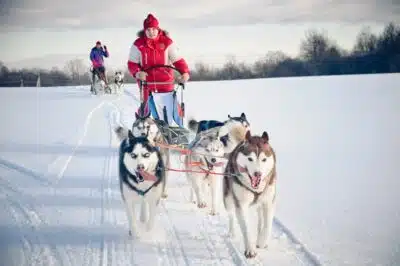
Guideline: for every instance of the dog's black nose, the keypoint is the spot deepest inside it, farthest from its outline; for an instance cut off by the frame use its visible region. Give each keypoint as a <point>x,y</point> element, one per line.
<point>143,134</point>
<point>257,174</point>
<point>140,167</point>
<point>213,160</point>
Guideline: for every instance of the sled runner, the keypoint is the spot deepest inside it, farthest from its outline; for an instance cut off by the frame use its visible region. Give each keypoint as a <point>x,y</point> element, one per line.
<point>167,111</point>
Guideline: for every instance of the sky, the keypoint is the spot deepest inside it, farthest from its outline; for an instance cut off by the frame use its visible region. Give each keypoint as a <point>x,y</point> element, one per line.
<point>46,33</point>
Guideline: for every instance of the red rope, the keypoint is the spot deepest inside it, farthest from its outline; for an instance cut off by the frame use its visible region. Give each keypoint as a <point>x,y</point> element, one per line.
<point>182,150</point>
<point>191,163</point>
<point>193,171</point>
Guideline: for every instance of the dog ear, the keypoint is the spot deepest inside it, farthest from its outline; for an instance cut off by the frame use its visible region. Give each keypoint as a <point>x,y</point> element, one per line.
<point>229,116</point>
<point>224,139</point>
<point>243,116</point>
<point>265,136</point>
<point>248,135</point>
<point>130,136</point>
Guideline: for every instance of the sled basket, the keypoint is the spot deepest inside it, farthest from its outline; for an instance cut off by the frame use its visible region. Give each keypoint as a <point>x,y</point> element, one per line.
<point>174,135</point>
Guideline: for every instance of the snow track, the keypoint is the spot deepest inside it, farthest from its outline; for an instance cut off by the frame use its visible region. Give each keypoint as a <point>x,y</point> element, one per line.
<point>72,214</point>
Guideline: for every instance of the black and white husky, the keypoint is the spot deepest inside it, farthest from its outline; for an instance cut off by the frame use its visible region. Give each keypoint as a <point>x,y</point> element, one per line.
<point>250,180</point>
<point>142,179</point>
<point>116,86</point>
<point>147,127</point>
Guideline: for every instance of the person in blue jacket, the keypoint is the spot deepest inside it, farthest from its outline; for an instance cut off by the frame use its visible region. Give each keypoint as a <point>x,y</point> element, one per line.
<point>96,57</point>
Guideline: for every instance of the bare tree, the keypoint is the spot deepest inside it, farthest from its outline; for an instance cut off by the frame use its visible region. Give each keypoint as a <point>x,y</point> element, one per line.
<point>317,46</point>
<point>76,69</point>
<point>366,42</point>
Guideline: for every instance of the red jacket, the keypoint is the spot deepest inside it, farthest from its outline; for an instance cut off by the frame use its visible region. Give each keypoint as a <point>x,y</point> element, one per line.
<point>146,52</point>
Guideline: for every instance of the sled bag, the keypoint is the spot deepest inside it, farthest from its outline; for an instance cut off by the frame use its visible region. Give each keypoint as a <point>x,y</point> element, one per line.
<point>165,106</point>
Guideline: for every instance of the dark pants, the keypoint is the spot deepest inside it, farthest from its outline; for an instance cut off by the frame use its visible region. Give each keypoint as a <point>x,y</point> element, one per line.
<point>100,72</point>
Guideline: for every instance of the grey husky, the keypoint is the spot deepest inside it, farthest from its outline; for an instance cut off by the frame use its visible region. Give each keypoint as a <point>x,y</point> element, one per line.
<point>250,180</point>
<point>205,164</point>
<point>229,132</point>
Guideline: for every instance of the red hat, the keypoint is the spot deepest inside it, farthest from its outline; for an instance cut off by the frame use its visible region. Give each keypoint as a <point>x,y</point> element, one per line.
<point>150,22</point>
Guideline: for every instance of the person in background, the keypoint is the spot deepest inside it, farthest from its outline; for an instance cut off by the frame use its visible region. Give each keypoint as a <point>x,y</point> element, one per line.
<point>96,57</point>
<point>155,47</point>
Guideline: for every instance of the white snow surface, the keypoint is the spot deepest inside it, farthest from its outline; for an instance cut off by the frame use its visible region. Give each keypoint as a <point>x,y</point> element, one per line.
<point>337,141</point>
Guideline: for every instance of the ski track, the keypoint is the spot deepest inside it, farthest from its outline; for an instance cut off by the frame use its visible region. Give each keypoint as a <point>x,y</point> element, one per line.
<point>47,252</point>
<point>178,247</point>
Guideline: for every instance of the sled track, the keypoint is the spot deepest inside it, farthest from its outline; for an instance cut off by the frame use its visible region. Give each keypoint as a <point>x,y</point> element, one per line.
<point>216,242</point>
<point>47,252</point>
<point>105,251</point>
<point>80,141</point>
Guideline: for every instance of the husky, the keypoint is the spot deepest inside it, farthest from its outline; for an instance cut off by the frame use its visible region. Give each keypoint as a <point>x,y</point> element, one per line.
<point>203,125</point>
<point>230,132</point>
<point>250,181</point>
<point>141,178</point>
<point>204,166</point>
<point>116,86</point>
<point>147,127</point>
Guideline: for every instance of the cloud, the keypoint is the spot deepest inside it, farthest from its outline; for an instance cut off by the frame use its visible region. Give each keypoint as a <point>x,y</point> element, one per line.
<point>95,14</point>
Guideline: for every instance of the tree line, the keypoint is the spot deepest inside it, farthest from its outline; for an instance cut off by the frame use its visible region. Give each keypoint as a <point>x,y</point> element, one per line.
<point>319,55</point>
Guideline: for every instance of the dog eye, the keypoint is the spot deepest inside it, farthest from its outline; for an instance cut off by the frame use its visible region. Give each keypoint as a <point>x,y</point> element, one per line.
<point>264,160</point>
<point>134,156</point>
<point>250,159</point>
<point>146,155</point>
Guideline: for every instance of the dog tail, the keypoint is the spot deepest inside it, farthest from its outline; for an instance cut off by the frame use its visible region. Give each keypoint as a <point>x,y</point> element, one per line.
<point>193,124</point>
<point>121,132</point>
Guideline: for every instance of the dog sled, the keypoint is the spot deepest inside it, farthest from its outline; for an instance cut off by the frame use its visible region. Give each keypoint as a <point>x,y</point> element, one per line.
<point>174,131</point>
<point>100,83</point>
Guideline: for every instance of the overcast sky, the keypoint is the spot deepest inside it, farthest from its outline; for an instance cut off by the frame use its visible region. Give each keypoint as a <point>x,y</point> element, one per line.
<point>205,30</point>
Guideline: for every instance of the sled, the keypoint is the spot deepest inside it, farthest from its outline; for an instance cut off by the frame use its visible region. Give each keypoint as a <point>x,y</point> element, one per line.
<point>175,135</point>
<point>99,85</point>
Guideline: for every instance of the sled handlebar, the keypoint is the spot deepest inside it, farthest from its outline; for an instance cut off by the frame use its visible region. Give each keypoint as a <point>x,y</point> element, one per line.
<point>144,82</point>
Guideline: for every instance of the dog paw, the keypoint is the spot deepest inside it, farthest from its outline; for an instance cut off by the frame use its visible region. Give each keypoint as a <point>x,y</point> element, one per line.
<point>213,212</point>
<point>231,234</point>
<point>261,242</point>
<point>261,246</point>
<point>201,205</point>
<point>250,253</point>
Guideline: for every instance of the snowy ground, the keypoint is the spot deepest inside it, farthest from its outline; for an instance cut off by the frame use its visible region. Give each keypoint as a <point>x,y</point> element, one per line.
<point>338,148</point>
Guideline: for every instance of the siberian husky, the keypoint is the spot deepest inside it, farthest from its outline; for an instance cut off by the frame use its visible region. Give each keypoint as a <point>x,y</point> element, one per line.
<point>141,176</point>
<point>205,166</point>
<point>203,125</point>
<point>116,86</point>
<point>250,180</point>
<point>146,127</point>
<point>230,132</point>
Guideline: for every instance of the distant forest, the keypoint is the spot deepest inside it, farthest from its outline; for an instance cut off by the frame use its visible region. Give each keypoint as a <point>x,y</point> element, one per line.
<point>319,55</point>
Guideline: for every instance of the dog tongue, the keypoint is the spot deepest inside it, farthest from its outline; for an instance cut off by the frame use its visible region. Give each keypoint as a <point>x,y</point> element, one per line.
<point>255,181</point>
<point>147,176</point>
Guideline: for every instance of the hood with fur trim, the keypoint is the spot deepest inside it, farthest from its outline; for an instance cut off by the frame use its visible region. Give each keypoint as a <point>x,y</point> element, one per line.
<point>141,33</point>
